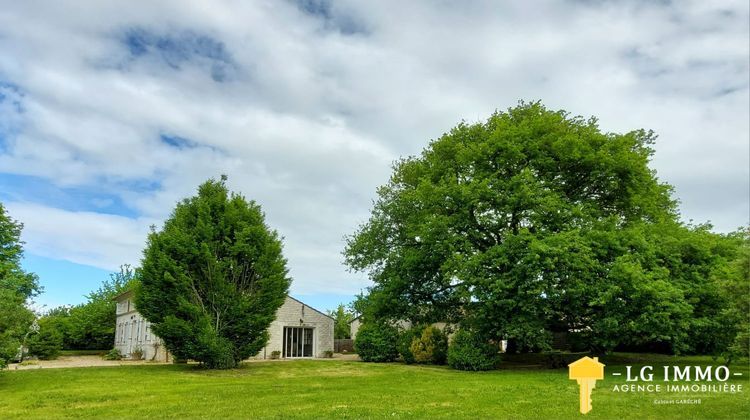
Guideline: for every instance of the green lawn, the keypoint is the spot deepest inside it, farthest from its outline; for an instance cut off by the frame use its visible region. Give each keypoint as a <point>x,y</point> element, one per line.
<point>339,389</point>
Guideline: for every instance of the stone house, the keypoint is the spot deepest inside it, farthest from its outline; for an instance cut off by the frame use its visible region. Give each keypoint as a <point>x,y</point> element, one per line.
<point>298,331</point>
<point>133,331</point>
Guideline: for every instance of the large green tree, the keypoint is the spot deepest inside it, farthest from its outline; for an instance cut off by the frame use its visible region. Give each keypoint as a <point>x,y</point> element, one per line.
<point>16,287</point>
<point>213,278</point>
<point>534,222</point>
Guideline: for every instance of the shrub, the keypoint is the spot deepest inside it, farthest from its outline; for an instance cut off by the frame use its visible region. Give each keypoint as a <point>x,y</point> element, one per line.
<point>377,343</point>
<point>46,344</point>
<point>404,343</point>
<point>137,353</point>
<point>275,354</point>
<point>113,354</point>
<point>430,347</point>
<point>328,354</point>
<point>468,351</point>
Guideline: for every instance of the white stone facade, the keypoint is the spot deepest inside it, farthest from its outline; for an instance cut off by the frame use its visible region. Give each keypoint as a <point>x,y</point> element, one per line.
<point>354,327</point>
<point>133,332</point>
<point>297,331</point>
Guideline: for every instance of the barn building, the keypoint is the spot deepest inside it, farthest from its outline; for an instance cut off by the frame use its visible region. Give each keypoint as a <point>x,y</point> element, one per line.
<point>299,331</point>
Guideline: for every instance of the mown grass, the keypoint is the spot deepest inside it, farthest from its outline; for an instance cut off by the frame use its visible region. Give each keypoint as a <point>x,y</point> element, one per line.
<point>341,389</point>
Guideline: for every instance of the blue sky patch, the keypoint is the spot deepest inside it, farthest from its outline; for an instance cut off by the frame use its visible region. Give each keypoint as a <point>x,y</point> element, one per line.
<point>64,282</point>
<point>323,10</point>
<point>181,49</point>
<point>11,107</point>
<point>177,142</point>
<point>25,188</point>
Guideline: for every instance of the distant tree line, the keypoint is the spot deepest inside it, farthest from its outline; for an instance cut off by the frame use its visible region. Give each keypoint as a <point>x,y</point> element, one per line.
<point>90,325</point>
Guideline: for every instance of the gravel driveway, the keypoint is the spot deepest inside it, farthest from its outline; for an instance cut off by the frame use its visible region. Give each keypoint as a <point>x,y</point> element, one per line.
<point>75,361</point>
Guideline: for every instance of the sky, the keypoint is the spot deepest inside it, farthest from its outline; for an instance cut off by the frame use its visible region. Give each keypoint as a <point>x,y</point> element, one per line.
<point>111,112</point>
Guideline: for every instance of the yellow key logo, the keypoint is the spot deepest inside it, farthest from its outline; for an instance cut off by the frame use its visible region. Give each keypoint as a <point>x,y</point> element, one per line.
<point>586,371</point>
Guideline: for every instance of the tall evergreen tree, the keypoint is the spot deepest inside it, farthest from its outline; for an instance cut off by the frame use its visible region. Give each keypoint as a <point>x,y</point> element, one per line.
<point>213,278</point>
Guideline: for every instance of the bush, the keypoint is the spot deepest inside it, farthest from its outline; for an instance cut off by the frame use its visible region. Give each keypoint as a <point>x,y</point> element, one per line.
<point>275,354</point>
<point>47,343</point>
<point>328,354</point>
<point>137,353</point>
<point>430,347</point>
<point>468,351</point>
<point>377,343</point>
<point>404,343</point>
<point>9,351</point>
<point>113,354</point>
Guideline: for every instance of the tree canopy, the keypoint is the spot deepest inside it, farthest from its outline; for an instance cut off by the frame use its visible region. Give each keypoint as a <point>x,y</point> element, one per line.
<point>534,222</point>
<point>16,287</point>
<point>213,278</point>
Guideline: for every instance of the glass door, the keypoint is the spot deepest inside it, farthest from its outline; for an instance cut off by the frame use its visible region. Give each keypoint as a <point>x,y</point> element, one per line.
<point>298,342</point>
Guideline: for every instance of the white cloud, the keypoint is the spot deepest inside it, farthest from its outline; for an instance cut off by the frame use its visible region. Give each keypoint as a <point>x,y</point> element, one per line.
<point>318,106</point>
<point>100,240</point>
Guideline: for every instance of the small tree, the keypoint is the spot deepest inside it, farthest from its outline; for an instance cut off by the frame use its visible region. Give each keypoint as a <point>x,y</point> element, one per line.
<point>430,347</point>
<point>47,342</point>
<point>405,339</point>
<point>377,343</point>
<point>213,278</point>
<point>341,319</point>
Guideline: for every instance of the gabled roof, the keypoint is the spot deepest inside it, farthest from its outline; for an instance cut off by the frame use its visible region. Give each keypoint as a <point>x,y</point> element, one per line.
<point>131,292</point>
<point>123,294</point>
<point>303,303</point>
